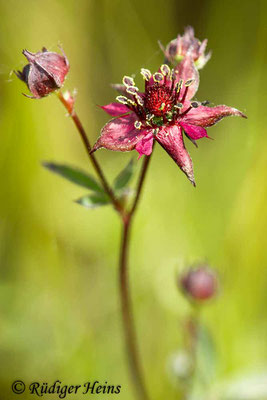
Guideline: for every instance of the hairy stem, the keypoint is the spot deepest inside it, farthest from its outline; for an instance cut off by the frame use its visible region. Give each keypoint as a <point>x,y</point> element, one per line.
<point>91,156</point>
<point>127,314</point>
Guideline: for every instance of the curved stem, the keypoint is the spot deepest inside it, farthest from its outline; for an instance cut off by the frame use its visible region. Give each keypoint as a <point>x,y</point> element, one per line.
<point>127,314</point>
<point>69,107</point>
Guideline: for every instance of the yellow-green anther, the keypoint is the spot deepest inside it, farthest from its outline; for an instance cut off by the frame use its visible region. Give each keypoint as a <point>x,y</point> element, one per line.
<point>157,77</point>
<point>131,102</point>
<point>132,89</point>
<point>180,84</point>
<point>189,82</point>
<point>139,100</point>
<point>137,124</point>
<point>122,99</point>
<point>161,108</point>
<point>145,73</point>
<point>128,81</point>
<point>165,69</point>
<point>149,116</point>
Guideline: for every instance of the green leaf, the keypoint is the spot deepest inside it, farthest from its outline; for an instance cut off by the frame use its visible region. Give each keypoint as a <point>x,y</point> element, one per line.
<point>93,200</point>
<point>206,355</point>
<point>124,176</point>
<point>74,175</point>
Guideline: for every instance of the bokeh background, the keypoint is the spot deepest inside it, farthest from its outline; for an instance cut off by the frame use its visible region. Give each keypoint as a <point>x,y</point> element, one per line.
<point>60,313</point>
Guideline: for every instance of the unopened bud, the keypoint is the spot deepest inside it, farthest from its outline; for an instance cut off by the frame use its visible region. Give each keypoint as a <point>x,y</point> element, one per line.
<point>187,45</point>
<point>199,283</point>
<point>45,72</point>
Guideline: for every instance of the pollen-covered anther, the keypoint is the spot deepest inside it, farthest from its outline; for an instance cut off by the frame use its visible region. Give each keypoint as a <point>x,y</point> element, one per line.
<point>128,81</point>
<point>157,77</point>
<point>146,74</point>
<point>178,106</point>
<point>165,69</point>
<point>132,89</point>
<point>180,84</point>
<point>131,103</point>
<point>122,99</point>
<point>138,125</point>
<point>139,100</point>
<point>188,82</point>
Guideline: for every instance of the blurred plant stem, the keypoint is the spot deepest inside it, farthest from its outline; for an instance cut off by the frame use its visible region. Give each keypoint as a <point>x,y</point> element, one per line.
<point>126,218</point>
<point>127,314</point>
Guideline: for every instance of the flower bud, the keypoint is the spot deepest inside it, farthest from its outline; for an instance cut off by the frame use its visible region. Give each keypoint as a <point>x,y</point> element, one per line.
<point>185,45</point>
<point>199,283</point>
<point>45,72</point>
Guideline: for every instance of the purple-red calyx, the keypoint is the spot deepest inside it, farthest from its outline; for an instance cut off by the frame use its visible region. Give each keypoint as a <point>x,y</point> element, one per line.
<point>163,112</point>
<point>186,45</point>
<point>45,72</point>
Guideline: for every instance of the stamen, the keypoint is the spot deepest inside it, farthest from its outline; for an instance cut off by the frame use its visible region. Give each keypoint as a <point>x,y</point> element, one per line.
<point>195,104</point>
<point>157,77</point>
<point>178,106</point>
<point>205,103</point>
<point>132,89</point>
<point>165,69</point>
<point>131,103</point>
<point>145,73</point>
<point>138,124</point>
<point>149,117</point>
<point>139,100</point>
<point>162,106</point>
<point>128,81</point>
<point>122,99</point>
<point>189,82</point>
<point>180,84</point>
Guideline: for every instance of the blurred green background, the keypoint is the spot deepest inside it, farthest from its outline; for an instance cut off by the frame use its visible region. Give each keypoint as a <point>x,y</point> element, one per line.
<point>60,312</point>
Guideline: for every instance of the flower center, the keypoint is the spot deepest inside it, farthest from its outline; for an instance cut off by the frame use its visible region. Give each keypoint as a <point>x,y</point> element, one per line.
<point>158,100</point>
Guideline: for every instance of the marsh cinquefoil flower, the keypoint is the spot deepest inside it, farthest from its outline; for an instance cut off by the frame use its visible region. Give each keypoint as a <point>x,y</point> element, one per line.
<point>162,113</point>
<point>45,72</point>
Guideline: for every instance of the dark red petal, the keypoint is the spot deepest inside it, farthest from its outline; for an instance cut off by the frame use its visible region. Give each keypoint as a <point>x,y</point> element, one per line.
<point>171,139</point>
<point>193,131</point>
<point>145,145</point>
<point>208,116</point>
<point>119,134</point>
<point>186,70</point>
<point>115,109</point>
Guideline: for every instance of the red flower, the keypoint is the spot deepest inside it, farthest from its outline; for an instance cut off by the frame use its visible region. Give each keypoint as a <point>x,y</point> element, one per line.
<point>162,113</point>
<point>184,45</point>
<point>45,72</point>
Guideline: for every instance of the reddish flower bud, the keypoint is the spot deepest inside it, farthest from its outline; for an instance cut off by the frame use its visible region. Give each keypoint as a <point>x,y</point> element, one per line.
<point>186,45</point>
<point>45,72</point>
<point>199,283</point>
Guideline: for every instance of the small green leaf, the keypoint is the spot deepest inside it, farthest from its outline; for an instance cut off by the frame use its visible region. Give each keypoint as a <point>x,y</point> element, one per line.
<point>93,200</point>
<point>74,175</point>
<point>124,176</point>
